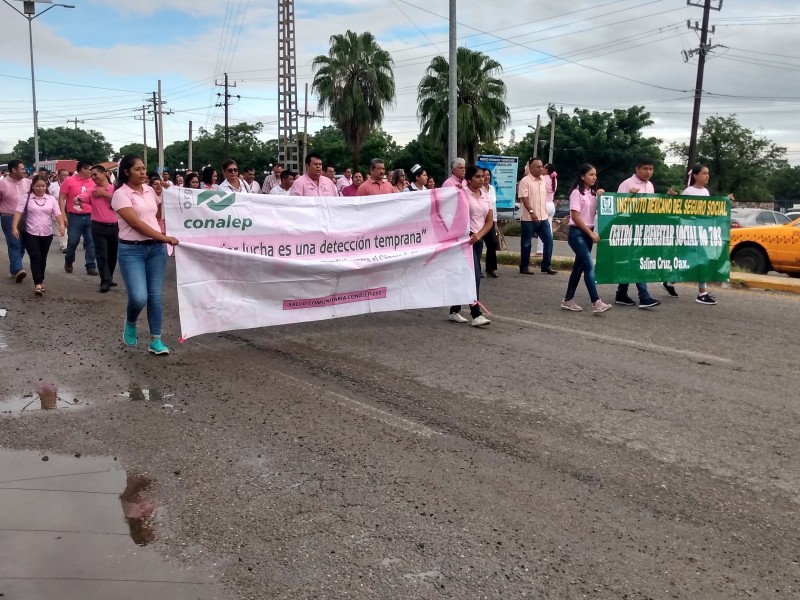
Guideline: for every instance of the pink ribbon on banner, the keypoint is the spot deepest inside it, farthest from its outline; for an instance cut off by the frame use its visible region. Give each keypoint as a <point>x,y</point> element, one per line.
<point>448,235</point>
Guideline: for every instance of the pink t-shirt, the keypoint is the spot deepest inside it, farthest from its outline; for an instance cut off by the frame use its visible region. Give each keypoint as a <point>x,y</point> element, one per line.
<point>305,186</point>
<point>73,189</point>
<point>144,204</point>
<point>350,190</point>
<point>41,212</point>
<point>101,207</point>
<point>693,191</point>
<point>454,181</point>
<point>551,185</point>
<point>585,204</point>
<point>10,193</point>
<point>478,209</point>
<point>644,187</point>
<point>370,187</point>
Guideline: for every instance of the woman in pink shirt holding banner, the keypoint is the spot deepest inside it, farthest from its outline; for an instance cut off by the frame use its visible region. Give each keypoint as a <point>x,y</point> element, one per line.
<point>142,253</point>
<point>480,222</point>
<point>39,208</point>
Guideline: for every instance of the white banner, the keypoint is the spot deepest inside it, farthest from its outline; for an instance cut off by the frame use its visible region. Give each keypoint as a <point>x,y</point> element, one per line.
<point>254,260</point>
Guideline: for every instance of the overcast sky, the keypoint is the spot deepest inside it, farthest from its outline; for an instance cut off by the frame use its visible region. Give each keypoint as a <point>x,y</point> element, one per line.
<point>100,61</point>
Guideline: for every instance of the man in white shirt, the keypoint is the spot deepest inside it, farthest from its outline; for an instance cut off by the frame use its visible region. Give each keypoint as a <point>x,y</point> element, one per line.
<point>249,178</point>
<point>345,180</point>
<point>282,189</point>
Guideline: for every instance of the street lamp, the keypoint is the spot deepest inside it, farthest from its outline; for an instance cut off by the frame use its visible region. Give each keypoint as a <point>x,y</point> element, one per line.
<point>29,12</point>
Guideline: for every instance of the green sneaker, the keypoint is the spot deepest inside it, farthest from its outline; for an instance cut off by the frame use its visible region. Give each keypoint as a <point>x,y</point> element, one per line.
<point>129,337</point>
<point>158,347</point>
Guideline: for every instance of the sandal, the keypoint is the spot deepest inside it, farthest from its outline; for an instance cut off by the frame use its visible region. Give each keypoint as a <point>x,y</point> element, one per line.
<point>38,289</point>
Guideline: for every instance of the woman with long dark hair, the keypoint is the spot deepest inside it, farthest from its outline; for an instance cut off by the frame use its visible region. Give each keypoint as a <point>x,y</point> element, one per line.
<point>480,222</point>
<point>39,208</point>
<point>142,253</point>
<point>208,178</point>
<point>582,217</point>
<point>698,180</point>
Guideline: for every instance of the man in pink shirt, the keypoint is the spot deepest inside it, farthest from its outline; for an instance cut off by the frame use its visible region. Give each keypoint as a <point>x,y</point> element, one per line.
<point>375,184</point>
<point>345,180</point>
<point>457,169</point>
<point>638,183</point>
<point>12,187</point>
<point>532,194</point>
<point>79,216</point>
<point>313,183</point>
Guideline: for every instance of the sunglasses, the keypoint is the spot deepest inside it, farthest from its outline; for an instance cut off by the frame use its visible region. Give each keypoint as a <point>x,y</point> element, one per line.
<point>233,170</point>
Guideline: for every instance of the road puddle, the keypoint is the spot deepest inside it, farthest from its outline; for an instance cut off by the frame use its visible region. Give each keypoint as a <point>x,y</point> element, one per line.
<point>47,397</point>
<point>139,502</point>
<point>68,522</point>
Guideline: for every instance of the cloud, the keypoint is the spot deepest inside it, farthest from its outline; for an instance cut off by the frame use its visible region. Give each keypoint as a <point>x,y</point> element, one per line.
<point>597,55</point>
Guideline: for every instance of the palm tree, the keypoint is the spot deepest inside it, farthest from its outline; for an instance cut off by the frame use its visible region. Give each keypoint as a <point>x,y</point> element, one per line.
<point>355,81</point>
<point>482,111</point>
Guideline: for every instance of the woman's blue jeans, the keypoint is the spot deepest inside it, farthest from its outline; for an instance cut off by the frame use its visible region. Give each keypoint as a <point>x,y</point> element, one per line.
<point>581,243</point>
<point>142,267</point>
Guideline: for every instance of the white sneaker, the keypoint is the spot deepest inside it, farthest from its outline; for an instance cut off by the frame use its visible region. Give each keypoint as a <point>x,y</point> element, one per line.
<point>457,318</point>
<point>571,305</point>
<point>480,321</point>
<point>600,307</point>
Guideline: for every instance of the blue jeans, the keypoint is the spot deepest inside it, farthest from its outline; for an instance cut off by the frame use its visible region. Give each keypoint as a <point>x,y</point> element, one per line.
<point>474,309</point>
<point>542,229</point>
<point>15,248</point>
<point>581,244</point>
<point>77,226</point>
<point>622,290</point>
<point>143,269</point>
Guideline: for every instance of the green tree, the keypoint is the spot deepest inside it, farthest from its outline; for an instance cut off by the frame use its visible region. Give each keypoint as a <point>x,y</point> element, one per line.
<point>740,162</point>
<point>136,149</point>
<point>379,144</point>
<point>611,141</point>
<point>329,143</point>
<point>66,143</point>
<point>355,82</point>
<point>784,184</point>
<point>425,152</point>
<point>481,109</point>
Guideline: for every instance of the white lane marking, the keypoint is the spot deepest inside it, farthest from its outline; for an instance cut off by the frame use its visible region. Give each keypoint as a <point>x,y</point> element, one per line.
<point>367,410</point>
<point>619,341</point>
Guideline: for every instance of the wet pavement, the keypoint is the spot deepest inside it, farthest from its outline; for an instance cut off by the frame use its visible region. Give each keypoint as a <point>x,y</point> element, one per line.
<point>638,454</point>
<point>72,528</point>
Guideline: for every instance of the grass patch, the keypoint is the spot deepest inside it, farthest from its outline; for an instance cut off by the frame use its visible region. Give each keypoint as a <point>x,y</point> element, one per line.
<point>512,258</point>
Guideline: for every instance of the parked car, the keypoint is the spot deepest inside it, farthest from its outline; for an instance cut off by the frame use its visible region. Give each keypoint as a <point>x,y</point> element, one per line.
<point>793,215</point>
<point>767,248</point>
<point>753,217</point>
<point>562,210</point>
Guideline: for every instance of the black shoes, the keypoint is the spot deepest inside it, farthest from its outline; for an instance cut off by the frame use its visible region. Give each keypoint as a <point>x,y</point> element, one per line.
<point>492,274</point>
<point>670,289</point>
<point>93,272</point>
<point>526,271</point>
<point>549,271</point>
<point>624,300</point>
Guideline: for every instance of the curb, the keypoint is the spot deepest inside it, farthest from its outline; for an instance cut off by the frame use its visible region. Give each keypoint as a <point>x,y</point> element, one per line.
<point>748,280</point>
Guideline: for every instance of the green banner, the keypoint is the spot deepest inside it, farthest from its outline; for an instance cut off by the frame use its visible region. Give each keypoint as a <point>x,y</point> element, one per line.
<point>656,237</point>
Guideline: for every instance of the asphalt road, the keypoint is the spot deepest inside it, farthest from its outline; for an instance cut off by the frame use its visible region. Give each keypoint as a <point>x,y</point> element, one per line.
<point>637,454</point>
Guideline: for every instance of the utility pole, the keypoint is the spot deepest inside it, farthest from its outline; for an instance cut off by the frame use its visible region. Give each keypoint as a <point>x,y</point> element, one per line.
<point>161,130</point>
<point>288,130</point>
<point>226,102</point>
<point>553,113</point>
<point>144,134</point>
<point>155,119</point>
<point>702,52</point>
<point>190,146</point>
<point>306,115</point>
<point>452,97</point>
<point>75,120</point>
<point>536,136</point>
